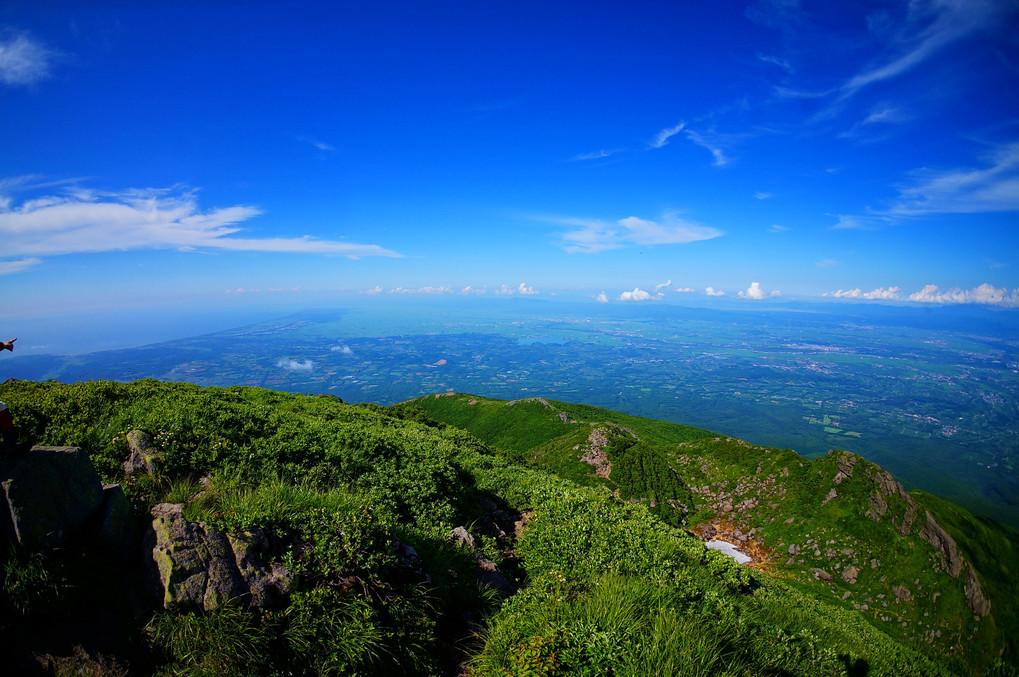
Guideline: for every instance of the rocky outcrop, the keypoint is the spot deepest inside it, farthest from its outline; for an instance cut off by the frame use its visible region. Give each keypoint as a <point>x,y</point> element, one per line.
<point>486,571</point>
<point>978,604</point>
<point>50,493</point>
<point>845,462</point>
<point>194,566</point>
<point>143,457</point>
<point>850,574</point>
<point>944,546</point>
<point>594,452</point>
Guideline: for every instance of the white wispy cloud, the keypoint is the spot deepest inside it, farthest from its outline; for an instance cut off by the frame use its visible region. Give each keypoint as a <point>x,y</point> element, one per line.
<point>930,26</point>
<point>993,188</point>
<point>23,60</point>
<point>11,267</point>
<point>777,228</point>
<point>421,290</point>
<point>601,298</point>
<point>826,263</point>
<point>860,222</point>
<point>294,365</point>
<point>637,294</point>
<point>711,291</point>
<point>761,195</point>
<point>316,143</point>
<point>755,292</point>
<point>880,294</point>
<point>596,155</point>
<point>684,290</point>
<point>875,126</point>
<point>712,142</point>
<point>662,138</point>
<point>374,291</point>
<point>87,221</point>
<point>986,294</point>
<point>663,285</point>
<point>776,61</point>
<point>589,236</point>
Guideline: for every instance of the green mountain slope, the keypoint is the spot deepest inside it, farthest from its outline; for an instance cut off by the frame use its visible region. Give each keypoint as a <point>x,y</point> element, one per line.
<point>919,568</point>
<point>547,576</point>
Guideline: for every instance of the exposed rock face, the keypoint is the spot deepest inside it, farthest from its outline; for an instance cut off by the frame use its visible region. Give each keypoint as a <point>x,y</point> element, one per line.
<point>50,492</point>
<point>594,452</point>
<point>978,604</point>
<point>144,458</point>
<point>197,566</point>
<point>850,574</point>
<point>944,545</point>
<point>845,461</point>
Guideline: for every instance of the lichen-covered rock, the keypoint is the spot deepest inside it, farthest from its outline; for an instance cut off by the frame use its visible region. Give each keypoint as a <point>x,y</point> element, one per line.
<point>195,566</point>
<point>144,457</point>
<point>850,574</point>
<point>50,492</point>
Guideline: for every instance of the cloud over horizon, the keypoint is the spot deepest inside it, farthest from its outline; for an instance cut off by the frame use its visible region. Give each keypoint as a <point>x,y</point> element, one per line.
<point>87,221</point>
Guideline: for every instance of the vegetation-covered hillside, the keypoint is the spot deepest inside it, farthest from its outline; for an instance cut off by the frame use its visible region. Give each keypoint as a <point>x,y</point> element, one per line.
<point>483,545</point>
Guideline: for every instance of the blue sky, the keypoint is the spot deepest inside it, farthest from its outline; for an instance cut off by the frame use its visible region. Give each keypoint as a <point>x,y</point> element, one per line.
<point>231,154</point>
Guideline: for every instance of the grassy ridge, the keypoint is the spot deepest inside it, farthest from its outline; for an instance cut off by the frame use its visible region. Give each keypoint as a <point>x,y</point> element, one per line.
<point>605,586</point>
<point>821,542</point>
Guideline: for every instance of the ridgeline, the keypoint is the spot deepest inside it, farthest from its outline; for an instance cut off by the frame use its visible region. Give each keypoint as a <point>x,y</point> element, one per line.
<point>164,528</point>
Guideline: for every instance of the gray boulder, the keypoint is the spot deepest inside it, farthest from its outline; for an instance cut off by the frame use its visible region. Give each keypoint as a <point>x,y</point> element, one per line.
<point>143,457</point>
<point>50,492</point>
<point>195,566</point>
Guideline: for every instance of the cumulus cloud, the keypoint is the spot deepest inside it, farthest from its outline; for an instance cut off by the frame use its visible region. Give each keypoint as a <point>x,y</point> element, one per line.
<point>294,365</point>
<point>986,294</point>
<point>10,267</point>
<point>471,290</point>
<point>85,221</point>
<point>23,61</point>
<point>662,138</point>
<point>711,291</point>
<point>755,292</point>
<point>344,350</point>
<point>592,236</point>
<point>636,295</point>
<point>526,291</point>
<point>373,291</point>
<point>601,298</point>
<point>881,293</point>
<point>684,290</point>
<point>522,288</point>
